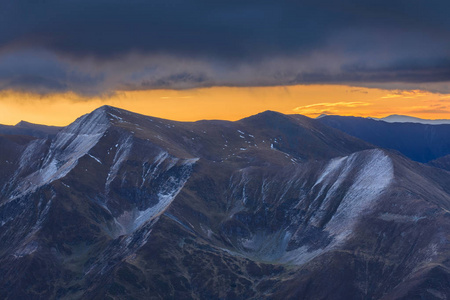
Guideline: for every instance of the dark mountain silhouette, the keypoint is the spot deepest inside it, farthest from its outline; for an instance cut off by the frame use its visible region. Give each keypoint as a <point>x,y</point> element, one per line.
<point>408,119</point>
<point>30,129</point>
<point>124,206</point>
<point>419,142</point>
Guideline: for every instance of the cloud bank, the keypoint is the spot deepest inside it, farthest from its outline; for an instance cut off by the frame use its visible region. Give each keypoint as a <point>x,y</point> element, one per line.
<point>101,46</point>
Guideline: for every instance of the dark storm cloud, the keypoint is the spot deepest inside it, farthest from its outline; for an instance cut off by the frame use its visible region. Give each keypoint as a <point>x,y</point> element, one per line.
<point>397,71</point>
<point>214,28</point>
<point>81,45</point>
<point>41,72</point>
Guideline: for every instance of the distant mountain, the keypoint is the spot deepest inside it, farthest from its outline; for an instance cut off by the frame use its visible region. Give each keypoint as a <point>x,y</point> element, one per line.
<point>30,129</point>
<point>408,119</point>
<point>419,142</point>
<point>119,205</point>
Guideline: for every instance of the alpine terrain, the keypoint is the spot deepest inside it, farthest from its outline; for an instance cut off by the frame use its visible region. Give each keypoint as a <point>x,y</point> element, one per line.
<point>119,205</point>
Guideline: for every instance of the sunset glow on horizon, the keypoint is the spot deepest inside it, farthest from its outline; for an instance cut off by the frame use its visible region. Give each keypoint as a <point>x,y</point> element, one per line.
<point>224,60</point>
<point>228,103</point>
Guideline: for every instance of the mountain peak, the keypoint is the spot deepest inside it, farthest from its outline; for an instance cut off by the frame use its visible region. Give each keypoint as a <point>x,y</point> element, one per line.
<point>114,115</point>
<point>270,112</point>
<point>31,129</point>
<point>28,125</point>
<point>267,116</point>
<point>23,124</point>
<point>108,108</point>
<point>95,122</point>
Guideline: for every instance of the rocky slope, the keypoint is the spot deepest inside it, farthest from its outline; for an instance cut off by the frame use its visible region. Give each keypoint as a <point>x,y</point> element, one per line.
<point>123,206</point>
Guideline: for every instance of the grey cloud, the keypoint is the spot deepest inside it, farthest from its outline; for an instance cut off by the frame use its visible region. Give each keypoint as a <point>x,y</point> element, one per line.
<point>99,46</point>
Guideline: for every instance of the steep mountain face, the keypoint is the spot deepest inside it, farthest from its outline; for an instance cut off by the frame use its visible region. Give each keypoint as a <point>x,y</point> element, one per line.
<point>419,142</point>
<point>123,206</point>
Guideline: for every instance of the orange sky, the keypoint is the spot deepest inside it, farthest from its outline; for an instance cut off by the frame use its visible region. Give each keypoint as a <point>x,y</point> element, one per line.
<point>228,103</point>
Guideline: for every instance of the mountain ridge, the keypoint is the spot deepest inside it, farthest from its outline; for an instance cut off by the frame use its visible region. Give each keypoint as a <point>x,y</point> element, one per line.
<point>396,118</point>
<point>29,129</point>
<point>420,142</point>
<point>408,119</point>
<point>121,205</point>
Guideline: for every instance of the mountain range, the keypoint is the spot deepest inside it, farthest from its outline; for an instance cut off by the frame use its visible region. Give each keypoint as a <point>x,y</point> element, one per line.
<point>119,205</point>
<point>420,142</point>
<point>409,119</point>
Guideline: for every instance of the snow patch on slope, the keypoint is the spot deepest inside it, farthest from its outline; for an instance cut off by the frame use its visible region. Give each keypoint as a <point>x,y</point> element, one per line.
<point>122,152</point>
<point>301,255</point>
<point>27,249</point>
<point>149,169</point>
<point>69,145</point>
<point>267,247</point>
<point>373,178</point>
<point>333,166</point>
<point>132,220</point>
<point>369,174</point>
